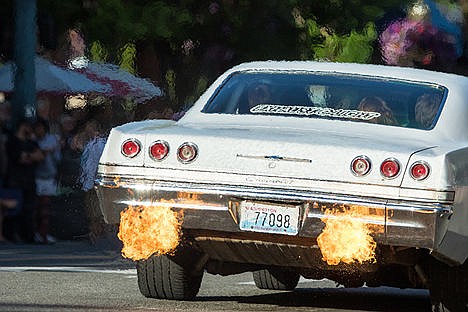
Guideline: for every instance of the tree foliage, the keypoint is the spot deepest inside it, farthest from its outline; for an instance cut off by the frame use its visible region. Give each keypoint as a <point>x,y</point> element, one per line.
<point>198,39</point>
<point>353,47</point>
<point>252,28</point>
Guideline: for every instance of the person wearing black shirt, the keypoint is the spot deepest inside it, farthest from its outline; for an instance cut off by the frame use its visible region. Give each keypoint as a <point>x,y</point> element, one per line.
<point>23,155</point>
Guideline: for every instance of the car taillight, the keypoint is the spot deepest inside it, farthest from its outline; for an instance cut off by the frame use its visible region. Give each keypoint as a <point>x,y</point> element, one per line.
<point>187,152</point>
<point>159,150</point>
<point>131,148</point>
<point>360,166</point>
<point>419,170</point>
<point>390,168</point>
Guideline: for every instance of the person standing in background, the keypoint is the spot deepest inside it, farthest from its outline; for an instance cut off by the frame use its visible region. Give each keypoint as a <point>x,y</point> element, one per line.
<point>92,150</point>
<point>23,155</point>
<point>10,201</point>
<point>46,179</point>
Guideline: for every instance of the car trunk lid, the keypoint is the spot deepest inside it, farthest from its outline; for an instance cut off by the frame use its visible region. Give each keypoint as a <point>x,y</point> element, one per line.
<point>269,153</point>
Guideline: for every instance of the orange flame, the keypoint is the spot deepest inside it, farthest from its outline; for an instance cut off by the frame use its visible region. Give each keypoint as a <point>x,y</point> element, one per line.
<point>117,183</point>
<point>346,237</point>
<point>188,197</point>
<point>146,230</point>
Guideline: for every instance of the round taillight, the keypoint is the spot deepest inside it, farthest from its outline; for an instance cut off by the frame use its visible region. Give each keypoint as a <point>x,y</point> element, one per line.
<point>390,168</point>
<point>131,148</point>
<point>187,152</point>
<point>360,166</point>
<point>159,150</point>
<point>419,170</point>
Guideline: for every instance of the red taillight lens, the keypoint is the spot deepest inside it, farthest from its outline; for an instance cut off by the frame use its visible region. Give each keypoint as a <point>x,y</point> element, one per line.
<point>360,166</point>
<point>159,150</point>
<point>131,148</point>
<point>419,171</point>
<point>390,168</point>
<point>187,152</point>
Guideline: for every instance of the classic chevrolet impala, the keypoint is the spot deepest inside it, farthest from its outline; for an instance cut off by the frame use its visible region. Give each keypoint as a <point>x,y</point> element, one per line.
<point>282,156</point>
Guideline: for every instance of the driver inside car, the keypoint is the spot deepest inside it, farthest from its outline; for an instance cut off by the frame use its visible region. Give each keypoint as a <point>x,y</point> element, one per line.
<point>256,94</point>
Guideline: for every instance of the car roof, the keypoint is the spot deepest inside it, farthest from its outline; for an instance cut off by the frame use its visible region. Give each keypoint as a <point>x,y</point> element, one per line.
<point>406,73</point>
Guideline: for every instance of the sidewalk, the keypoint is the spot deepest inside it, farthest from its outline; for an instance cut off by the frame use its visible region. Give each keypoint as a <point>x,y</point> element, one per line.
<point>64,253</point>
<point>68,223</point>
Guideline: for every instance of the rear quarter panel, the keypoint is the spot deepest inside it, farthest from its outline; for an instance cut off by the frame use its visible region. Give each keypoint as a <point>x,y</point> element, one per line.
<point>455,243</point>
<point>449,171</point>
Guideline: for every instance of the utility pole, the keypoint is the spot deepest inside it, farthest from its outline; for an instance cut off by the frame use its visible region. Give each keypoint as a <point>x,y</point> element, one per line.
<point>24,98</point>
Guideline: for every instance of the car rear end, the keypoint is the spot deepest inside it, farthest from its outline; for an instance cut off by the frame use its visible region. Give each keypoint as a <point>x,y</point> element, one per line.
<point>276,186</point>
<point>312,146</point>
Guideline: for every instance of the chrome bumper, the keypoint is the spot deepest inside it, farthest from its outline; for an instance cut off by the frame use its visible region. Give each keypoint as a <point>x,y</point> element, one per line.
<point>215,208</point>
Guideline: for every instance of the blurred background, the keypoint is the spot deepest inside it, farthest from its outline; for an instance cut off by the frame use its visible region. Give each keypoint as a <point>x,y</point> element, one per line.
<point>182,46</point>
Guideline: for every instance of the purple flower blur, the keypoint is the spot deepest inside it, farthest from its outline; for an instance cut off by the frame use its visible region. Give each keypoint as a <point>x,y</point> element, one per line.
<point>407,42</point>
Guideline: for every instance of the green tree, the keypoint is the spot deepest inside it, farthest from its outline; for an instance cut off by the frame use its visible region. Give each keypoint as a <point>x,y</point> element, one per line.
<point>354,47</point>
<point>195,40</point>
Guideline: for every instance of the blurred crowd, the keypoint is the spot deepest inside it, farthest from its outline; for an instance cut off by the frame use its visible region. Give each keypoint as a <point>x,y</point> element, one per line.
<point>48,167</point>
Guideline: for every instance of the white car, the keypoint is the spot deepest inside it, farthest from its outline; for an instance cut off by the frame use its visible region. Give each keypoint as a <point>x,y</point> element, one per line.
<point>279,166</point>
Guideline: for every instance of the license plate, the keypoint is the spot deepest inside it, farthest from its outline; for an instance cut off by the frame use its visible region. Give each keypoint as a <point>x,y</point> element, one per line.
<point>267,218</point>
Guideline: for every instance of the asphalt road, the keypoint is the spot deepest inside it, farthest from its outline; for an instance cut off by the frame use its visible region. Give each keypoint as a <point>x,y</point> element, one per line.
<point>76,276</point>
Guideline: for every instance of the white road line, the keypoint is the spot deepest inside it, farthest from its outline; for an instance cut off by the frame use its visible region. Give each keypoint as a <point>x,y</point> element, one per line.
<point>67,269</point>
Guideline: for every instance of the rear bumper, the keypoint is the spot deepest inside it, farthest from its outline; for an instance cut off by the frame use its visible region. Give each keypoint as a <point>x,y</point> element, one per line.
<point>215,208</point>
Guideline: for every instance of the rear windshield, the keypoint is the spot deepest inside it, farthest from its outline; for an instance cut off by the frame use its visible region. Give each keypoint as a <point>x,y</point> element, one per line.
<point>331,96</point>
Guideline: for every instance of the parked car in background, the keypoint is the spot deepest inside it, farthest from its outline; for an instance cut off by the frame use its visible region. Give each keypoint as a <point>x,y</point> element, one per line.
<point>280,167</point>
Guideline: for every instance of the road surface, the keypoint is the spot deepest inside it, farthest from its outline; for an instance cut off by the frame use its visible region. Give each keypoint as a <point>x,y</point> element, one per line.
<point>76,276</point>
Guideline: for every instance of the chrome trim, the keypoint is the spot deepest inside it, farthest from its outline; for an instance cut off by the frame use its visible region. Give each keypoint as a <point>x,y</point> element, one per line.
<point>274,157</point>
<point>290,184</point>
<point>216,208</point>
<point>190,144</point>
<point>224,190</point>
<point>156,142</point>
<point>182,205</point>
<point>136,141</point>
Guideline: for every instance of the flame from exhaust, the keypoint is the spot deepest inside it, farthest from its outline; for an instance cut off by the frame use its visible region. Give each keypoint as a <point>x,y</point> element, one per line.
<point>346,237</point>
<point>146,230</point>
<point>188,198</point>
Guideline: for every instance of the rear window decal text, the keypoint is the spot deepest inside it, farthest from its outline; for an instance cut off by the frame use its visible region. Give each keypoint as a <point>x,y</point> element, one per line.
<point>313,111</point>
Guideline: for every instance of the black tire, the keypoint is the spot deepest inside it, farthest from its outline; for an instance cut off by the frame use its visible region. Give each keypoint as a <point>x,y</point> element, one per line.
<point>449,288</point>
<point>161,278</point>
<point>275,279</point>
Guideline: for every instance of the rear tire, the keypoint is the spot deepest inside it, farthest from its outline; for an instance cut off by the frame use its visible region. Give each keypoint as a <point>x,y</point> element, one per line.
<point>275,279</point>
<point>161,278</point>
